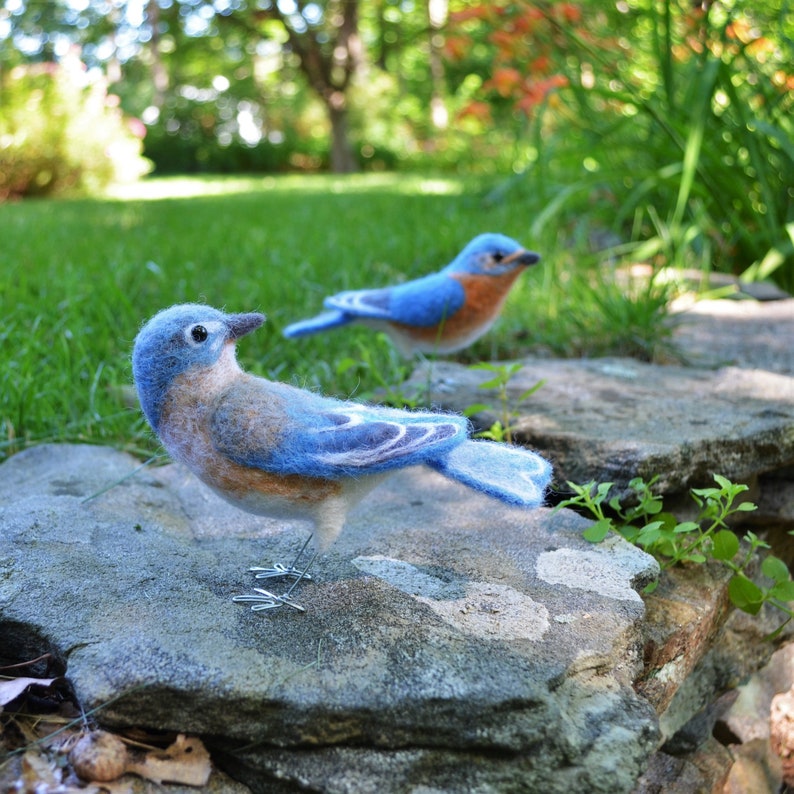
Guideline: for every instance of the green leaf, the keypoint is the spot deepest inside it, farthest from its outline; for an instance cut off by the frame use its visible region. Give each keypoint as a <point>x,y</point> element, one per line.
<point>707,493</point>
<point>476,408</point>
<point>602,490</point>
<point>649,588</point>
<point>629,532</point>
<point>745,595</point>
<point>723,482</point>
<point>668,521</point>
<point>584,488</point>
<point>724,545</point>
<point>754,541</point>
<point>773,635</point>
<point>746,507</point>
<point>595,533</point>
<point>652,506</point>
<point>495,432</point>
<point>494,383</point>
<point>486,365</point>
<point>345,364</point>
<point>531,390</point>
<point>686,526</point>
<point>783,590</point>
<point>775,568</point>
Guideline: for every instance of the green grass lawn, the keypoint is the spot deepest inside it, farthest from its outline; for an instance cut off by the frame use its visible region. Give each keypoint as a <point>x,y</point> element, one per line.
<point>78,277</point>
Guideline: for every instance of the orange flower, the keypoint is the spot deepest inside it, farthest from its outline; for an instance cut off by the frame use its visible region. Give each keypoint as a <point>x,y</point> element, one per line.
<point>504,81</point>
<point>570,12</point>
<point>541,64</point>
<point>504,40</point>
<point>456,47</point>
<point>465,14</point>
<point>536,91</point>
<point>760,48</point>
<point>477,110</point>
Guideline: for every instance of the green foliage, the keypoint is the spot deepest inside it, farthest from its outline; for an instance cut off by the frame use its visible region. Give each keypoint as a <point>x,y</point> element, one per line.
<point>502,428</point>
<point>645,524</point>
<point>193,148</point>
<point>77,277</point>
<point>381,366</point>
<point>681,133</point>
<point>61,132</point>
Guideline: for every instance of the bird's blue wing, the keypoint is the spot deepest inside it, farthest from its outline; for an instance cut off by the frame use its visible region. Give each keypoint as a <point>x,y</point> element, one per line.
<point>289,431</point>
<point>514,475</point>
<point>423,302</point>
<point>322,322</point>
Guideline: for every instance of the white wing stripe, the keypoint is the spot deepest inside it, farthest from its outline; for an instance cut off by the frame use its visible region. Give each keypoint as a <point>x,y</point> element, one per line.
<point>374,455</point>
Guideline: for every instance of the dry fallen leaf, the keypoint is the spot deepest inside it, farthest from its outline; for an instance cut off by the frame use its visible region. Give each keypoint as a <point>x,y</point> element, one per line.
<point>185,761</point>
<point>36,769</point>
<point>13,688</point>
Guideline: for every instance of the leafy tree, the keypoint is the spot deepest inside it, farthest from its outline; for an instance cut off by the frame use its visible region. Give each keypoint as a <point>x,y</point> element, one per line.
<point>61,131</point>
<point>328,46</point>
<point>674,117</point>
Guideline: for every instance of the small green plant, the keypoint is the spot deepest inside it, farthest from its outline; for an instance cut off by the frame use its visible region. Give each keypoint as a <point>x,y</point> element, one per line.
<point>502,428</point>
<point>646,524</point>
<point>367,361</point>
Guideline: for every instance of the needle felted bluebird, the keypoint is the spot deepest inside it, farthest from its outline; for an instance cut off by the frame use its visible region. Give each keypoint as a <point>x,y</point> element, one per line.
<point>440,313</point>
<point>273,449</point>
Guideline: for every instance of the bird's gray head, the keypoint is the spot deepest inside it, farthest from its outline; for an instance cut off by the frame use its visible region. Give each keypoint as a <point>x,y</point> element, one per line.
<point>178,339</point>
<point>492,254</point>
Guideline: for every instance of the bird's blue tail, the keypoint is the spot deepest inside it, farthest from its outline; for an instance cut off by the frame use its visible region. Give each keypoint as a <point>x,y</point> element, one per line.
<point>322,322</point>
<point>511,474</point>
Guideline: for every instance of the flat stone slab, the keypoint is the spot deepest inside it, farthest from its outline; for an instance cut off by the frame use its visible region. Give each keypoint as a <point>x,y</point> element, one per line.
<point>613,419</point>
<point>449,642</point>
<point>741,333</point>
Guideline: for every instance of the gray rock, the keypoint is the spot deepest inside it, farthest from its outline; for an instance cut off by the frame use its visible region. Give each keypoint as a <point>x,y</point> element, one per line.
<point>743,333</point>
<point>613,419</point>
<point>449,644</point>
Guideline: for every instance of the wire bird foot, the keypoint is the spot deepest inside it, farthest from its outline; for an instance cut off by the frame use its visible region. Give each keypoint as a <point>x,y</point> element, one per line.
<point>263,599</point>
<point>279,569</point>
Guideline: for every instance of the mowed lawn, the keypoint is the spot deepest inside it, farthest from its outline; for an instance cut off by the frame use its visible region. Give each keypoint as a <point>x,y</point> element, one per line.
<point>79,276</point>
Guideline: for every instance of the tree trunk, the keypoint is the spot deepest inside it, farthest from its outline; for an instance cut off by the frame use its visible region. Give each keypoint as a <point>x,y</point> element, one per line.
<point>438,13</point>
<point>343,160</point>
<point>159,74</point>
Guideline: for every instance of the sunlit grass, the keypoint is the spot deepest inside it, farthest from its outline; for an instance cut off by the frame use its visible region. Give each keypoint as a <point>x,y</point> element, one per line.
<point>78,277</point>
<point>176,187</point>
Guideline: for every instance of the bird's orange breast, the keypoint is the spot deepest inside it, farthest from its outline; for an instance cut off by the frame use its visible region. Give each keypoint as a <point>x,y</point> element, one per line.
<point>485,295</point>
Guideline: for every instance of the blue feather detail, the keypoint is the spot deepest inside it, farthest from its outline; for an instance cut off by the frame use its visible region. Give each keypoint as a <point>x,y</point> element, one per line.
<point>321,322</point>
<point>424,302</point>
<point>289,431</point>
<point>511,474</point>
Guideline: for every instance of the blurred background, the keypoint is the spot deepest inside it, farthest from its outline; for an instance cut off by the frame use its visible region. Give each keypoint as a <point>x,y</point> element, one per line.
<point>673,117</point>
<point>261,154</point>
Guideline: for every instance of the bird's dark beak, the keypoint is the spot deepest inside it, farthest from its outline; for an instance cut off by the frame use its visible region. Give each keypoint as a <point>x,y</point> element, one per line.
<point>522,257</point>
<point>242,324</point>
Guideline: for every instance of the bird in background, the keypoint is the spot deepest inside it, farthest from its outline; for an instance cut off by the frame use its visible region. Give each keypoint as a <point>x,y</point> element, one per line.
<point>273,449</point>
<point>439,313</point>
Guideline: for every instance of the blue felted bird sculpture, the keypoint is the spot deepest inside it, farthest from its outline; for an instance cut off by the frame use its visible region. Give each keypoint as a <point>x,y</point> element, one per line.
<point>273,449</point>
<point>440,313</point>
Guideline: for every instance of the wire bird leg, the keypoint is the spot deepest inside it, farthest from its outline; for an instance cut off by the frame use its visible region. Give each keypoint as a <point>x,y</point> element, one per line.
<point>279,569</point>
<point>262,599</point>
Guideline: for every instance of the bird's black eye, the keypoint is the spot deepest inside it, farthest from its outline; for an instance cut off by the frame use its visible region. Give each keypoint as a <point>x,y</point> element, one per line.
<point>497,257</point>
<point>199,333</point>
